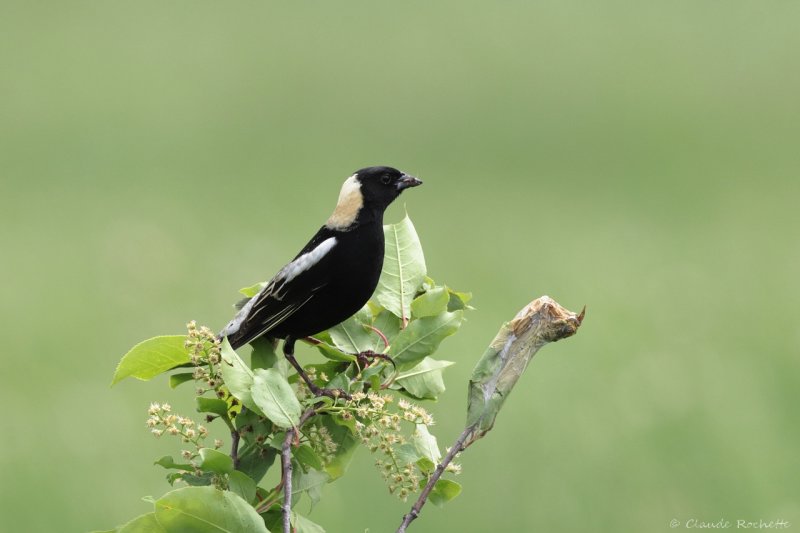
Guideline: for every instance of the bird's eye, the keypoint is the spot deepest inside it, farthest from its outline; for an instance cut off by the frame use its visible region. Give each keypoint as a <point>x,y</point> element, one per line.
<point>386,180</point>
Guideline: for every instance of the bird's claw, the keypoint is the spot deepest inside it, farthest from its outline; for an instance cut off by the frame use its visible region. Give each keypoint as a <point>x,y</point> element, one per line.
<point>367,357</point>
<point>333,394</point>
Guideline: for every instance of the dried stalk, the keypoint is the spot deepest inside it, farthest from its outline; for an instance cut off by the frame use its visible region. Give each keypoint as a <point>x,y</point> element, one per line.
<point>539,323</point>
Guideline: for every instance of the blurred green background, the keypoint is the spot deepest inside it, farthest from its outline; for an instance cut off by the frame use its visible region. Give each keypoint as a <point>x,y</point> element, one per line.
<point>639,158</point>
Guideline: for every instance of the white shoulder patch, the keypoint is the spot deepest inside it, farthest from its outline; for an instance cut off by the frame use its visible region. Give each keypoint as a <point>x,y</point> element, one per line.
<point>273,288</point>
<point>307,260</point>
<point>348,206</point>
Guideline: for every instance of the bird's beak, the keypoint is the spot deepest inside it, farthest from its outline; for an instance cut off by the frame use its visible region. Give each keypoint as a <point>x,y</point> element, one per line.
<point>407,181</point>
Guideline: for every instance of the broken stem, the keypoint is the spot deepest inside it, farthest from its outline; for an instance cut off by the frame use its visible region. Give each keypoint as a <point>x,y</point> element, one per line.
<point>497,372</point>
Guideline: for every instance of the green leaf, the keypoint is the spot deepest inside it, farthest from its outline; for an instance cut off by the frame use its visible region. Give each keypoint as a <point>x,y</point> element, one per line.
<point>426,466</point>
<point>146,523</point>
<point>329,368</point>
<point>335,355</point>
<point>273,518</point>
<point>426,444</point>
<point>422,337</point>
<point>178,379</point>
<point>388,324</point>
<point>264,356</point>
<point>237,376</point>
<point>340,381</point>
<point>430,303</point>
<point>212,405</point>
<point>172,477</point>
<point>323,336</point>
<point>251,424</point>
<point>351,336</point>
<point>302,524</point>
<point>152,357</point>
<point>275,397</point>
<point>307,457</point>
<point>168,462</point>
<point>403,268</point>
<point>375,370</point>
<point>444,491</point>
<point>425,379</point>
<point>406,453</point>
<point>203,480</point>
<point>277,439</point>
<point>375,382</point>
<point>206,509</point>
<point>310,482</point>
<point>459,300</point>
<point>252,290</point>
<point>215,461</point>
<point>243,485</point>
<point>256,460</point>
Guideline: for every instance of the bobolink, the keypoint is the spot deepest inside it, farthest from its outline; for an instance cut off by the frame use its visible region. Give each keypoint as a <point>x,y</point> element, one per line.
<point>333,276</point>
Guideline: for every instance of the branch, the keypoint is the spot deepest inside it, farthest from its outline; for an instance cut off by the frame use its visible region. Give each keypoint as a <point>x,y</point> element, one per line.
<point>286,468</point>
<point>537,324</point>
<point>458,446</point>
<point>235,437</point>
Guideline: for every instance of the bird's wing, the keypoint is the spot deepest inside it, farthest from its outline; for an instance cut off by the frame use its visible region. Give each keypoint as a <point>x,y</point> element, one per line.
<point>292,288</point>
<point>266,314</point>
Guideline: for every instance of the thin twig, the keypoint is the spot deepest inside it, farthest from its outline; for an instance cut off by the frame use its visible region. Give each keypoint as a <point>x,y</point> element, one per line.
<point>265,504</point>
<point>286,468</point>
<point>458,446</point>
<point>380,334</point>
<point>235,448</point>
<point>235,437</point>
<point>311,340</point>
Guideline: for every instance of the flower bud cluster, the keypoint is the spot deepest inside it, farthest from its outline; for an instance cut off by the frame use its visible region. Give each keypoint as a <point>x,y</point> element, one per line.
<point>414,413</point>
<point>163,422</point>
<point>379,424</point>
<point>319,438</point>
<point>203,345</point>
<point>204,349</point>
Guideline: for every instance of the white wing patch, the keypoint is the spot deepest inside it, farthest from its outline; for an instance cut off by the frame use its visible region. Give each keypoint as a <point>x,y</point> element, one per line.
<point>273,288</point>
<point>306,261</point>
<point>348,206</point>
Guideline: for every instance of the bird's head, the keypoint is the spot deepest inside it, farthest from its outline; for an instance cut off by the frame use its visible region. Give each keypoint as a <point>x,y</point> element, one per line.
<point>373,189</point>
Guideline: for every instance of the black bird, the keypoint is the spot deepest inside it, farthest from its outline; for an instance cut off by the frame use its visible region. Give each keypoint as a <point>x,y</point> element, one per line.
<point>333,276</point>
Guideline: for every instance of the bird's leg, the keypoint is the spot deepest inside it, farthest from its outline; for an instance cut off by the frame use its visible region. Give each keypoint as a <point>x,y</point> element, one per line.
<point>288,352</point>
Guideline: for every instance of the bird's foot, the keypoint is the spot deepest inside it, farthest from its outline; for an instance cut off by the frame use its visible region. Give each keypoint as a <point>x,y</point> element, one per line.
<point>368,357</point>
<point>334,394</point>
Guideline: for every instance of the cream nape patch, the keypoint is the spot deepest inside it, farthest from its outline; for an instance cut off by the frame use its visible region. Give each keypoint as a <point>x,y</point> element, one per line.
<point>348,206</point>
